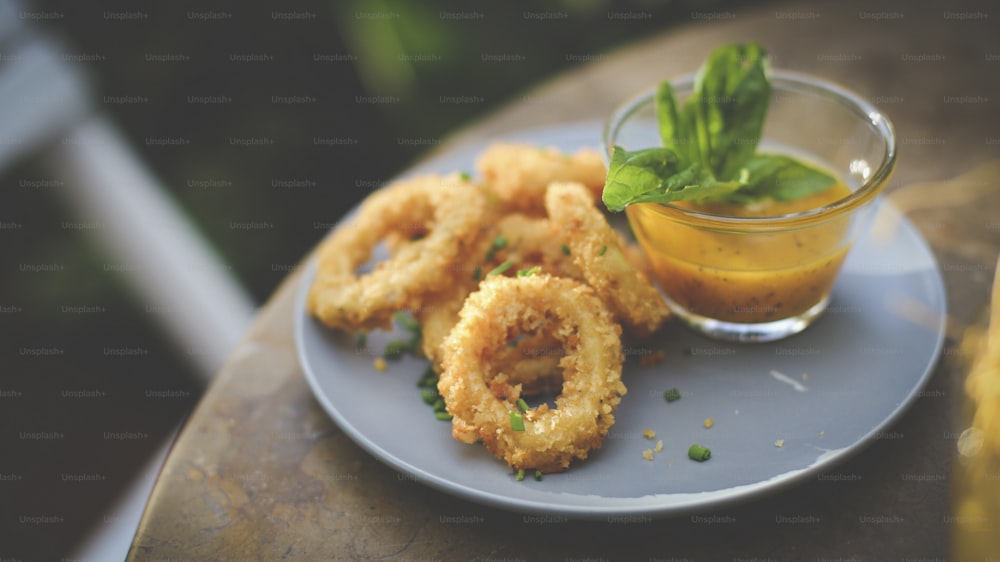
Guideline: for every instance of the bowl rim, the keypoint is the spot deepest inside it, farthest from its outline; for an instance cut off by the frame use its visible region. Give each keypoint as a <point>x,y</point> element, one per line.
<point>781,80</point>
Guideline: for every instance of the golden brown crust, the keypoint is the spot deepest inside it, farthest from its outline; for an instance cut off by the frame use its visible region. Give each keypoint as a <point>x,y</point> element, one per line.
<point>519,174</point>
<point>447,210</point>
<point>596,249</point>
<point>591,370</point>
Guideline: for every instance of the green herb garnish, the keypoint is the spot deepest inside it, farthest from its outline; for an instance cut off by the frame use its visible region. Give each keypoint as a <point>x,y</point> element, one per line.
<point>500,268</point>
<point>603,250</point>
<point>699,453</point>
<point>427,383</point>
<point>538,475</point>
<point>406,321</point>
<point>429,379</point>
<point>523,405</point>
<point>565,249</point>
<point>396,348</point>
<point>709,150</point>
<point>520,475</point>
<point>499,243</point>
<point>529,272</point>
<point>477,273</point>
<point>672,395</point>
<point>516,421</point>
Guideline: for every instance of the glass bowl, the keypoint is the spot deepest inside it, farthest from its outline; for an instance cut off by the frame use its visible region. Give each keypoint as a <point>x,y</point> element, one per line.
<point>768,276</point>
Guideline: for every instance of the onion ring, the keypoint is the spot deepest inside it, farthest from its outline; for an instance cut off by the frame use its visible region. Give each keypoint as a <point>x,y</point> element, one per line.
<point>445,212</point>
<point>596,249</point>
<point>519,173</point>
<point>591,370</point>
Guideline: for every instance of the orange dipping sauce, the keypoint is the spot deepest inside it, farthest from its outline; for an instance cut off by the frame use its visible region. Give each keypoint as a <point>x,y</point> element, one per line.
<point>747,276</point>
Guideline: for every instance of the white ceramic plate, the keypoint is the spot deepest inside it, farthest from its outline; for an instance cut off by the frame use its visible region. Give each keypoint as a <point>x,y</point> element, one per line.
<point>825,393</point>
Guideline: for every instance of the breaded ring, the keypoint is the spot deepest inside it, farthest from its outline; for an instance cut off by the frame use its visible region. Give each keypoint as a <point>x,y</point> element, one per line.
<point>519,173</point>
<point>527,242</point>
<point>596,249</point>
<point>446,212</point>
<point>591,370</point>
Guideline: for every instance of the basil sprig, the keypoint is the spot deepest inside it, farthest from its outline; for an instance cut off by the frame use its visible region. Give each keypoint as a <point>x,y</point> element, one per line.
<point>709,150</point>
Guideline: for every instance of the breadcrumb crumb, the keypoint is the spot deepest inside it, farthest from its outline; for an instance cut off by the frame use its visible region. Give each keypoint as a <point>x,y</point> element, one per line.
<point>659,447</point>
<point>380,364</point>
<point>779,443</point>
<point>647,454</point>
<point>709,422</point>
<point>649,434</point>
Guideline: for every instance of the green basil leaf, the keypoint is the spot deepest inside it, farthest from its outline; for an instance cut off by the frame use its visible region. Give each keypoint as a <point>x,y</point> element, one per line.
<point>653,175</point>
<point>729,104</point>
<point>674,133</point>
<point>783,178</point>
<point>634,176</point>
<point>710,143</point>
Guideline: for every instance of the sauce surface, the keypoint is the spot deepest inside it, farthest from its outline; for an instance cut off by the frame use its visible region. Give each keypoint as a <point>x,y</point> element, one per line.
<point>740,276</point>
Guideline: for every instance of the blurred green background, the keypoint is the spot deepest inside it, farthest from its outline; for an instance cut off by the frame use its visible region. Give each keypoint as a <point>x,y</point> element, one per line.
<point>323,62</point>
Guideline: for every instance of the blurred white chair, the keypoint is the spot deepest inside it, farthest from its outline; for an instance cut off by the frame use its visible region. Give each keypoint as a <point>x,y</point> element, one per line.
<point>46,110</point>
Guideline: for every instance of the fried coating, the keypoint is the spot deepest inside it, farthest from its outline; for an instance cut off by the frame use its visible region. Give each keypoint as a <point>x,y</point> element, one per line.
<point>429,219</point>
<point>596,250</point>
<point>520,173</point>
<point>591,370</point>
<point>526,242</point>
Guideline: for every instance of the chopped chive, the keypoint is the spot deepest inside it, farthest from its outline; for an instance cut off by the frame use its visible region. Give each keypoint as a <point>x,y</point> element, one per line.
<point>538,475</point>
<point>500,268</point>
<point>499,243</point>
<point>443,416</point>
<point>699,453</point>
<point>465,176</point>
<point>520,475</point>
<point>672,395</point>
<point>477,273</point>
<point>406,321</point>
<point>523,405</point>
<point>396,348</point>
<point>565,249</point>
<point>516,421</point>
<point>428,396</point>
<point>429,379</point>
<point>530,271</point>
<point>604,249</point>
<point>439,405</point>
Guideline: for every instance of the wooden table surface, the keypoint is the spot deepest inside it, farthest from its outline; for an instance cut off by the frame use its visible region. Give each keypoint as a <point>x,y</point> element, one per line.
<point>261,473</point>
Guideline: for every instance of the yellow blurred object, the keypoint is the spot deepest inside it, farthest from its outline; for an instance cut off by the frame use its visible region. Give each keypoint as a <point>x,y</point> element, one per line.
<point>976,519</point>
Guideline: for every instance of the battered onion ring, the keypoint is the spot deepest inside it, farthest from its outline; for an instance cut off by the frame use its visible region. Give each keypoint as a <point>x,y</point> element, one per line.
<point>446,211</point>
<point>519,173</point>
<point>596,249</point>
<point>591,370</point>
